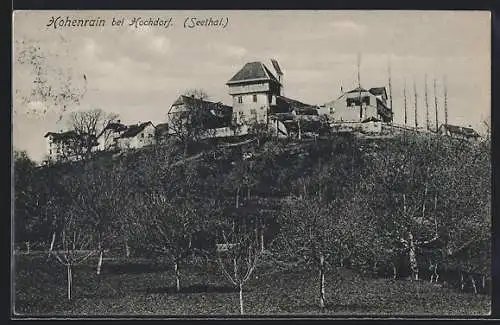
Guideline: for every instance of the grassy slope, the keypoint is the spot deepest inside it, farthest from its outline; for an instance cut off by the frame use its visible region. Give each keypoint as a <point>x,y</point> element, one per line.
<point>146,289</point>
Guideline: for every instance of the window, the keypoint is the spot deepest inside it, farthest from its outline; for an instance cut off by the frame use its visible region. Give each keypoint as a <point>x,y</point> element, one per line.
<point>240,99</point>
<point>142,135</point>
<point>254,98</point>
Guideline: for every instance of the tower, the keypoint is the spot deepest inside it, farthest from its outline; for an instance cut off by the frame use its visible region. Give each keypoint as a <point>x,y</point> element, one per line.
<point>254,89</point>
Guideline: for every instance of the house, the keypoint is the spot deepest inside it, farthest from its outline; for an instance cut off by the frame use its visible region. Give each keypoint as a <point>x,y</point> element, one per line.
<point>254,89</point>
<point>68,145</point>
<point>295,115</point>
<point>107,137</point>
<point>137,136</point>
<point>360,105</point>
<point>258,98</point>
<point>459,132</point>
<point>161,133</point>
<point>187,110</point>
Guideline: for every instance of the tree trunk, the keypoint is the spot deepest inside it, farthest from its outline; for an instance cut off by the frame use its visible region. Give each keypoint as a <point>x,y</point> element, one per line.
<point>241,298</point>
<point>70,281</point>
<point>261,238</point>
<point>394,272</point>
<point>248,193</point>
<point>322,281</point>
<point>473,281</point>
<point>99,263</point>
<point>52,243</point>
<point>237,198</point>
<point>462,284</point>
<point>177,279</point>
<point>412,254</point>
<point>127,249</point>
<point>28,247</point>
<point>484,281</point>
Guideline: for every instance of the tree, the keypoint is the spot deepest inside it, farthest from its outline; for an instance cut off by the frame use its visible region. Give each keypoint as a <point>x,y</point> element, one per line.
<point>308,229</point>
<point>24,194</point>
<point>189,121</point>
<point>52,83</point>
<point>90,126</point>
<point>237,254</point>
<point>74,245</point>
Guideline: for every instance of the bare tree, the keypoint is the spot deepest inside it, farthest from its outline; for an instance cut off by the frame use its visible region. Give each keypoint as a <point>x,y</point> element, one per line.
<point>436,105</point>
<point>427,120</point>
<point>416,103</point>
<point>74,246</point>
<point>89,126</point>
<point>52,84</point>
<point>405,104</point>
<point>238,253</point>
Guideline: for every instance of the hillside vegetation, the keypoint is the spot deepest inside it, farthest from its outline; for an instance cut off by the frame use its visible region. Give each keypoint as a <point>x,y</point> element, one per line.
<point>410,206</point>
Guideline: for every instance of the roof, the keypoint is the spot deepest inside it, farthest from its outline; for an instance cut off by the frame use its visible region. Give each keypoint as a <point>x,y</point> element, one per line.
<point>357,90</point>
<point>252,71</point>
<point>378,91</point>
<point>115,126</point>
<point>134,129</point>
<point>215,115</point>
<point>162,127</point>
<point>62,136</point>
<point>287,105</point>
<point>466,131</point>
<point>188,100</point>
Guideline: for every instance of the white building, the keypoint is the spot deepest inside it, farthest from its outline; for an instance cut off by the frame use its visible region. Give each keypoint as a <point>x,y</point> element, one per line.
<point>107,137</point>
<point>137,136</point>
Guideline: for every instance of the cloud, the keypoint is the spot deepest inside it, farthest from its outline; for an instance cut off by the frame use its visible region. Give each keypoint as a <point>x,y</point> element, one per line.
<point>161,44</point>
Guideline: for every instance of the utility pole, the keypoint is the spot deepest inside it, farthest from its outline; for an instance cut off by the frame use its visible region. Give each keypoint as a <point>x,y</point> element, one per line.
<point>405,104</point>
<point>436,104</point>
<point>445,86</point>
<point>359,88</point>
<point>426,105</point>
<point>416,103</point>
<point>390,86</point>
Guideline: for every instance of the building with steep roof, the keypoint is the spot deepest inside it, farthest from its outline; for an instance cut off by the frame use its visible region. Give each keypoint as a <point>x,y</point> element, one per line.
<point>137,136</point>
<point>107,137</point>
<point>254,89</point>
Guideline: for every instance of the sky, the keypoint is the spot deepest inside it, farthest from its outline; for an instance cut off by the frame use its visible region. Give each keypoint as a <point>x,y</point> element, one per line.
<point>137,72</point>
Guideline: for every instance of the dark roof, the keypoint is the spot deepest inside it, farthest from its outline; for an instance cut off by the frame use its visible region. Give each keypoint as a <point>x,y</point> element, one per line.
<point>62,136</point>
<point>216,114</point>
<point>162,127</point>
<point>276,67</point>
<point>115,126</point>
<point>454,129</point>
<point>188,100</point>
<point>252,71</point>
<point>134,129</point>
<point>357,90</point>
<point>287,105</point>
<point>378,91</point>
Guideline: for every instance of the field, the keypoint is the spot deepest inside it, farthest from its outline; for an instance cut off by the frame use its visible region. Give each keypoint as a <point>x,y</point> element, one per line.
<point>143,287</point>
